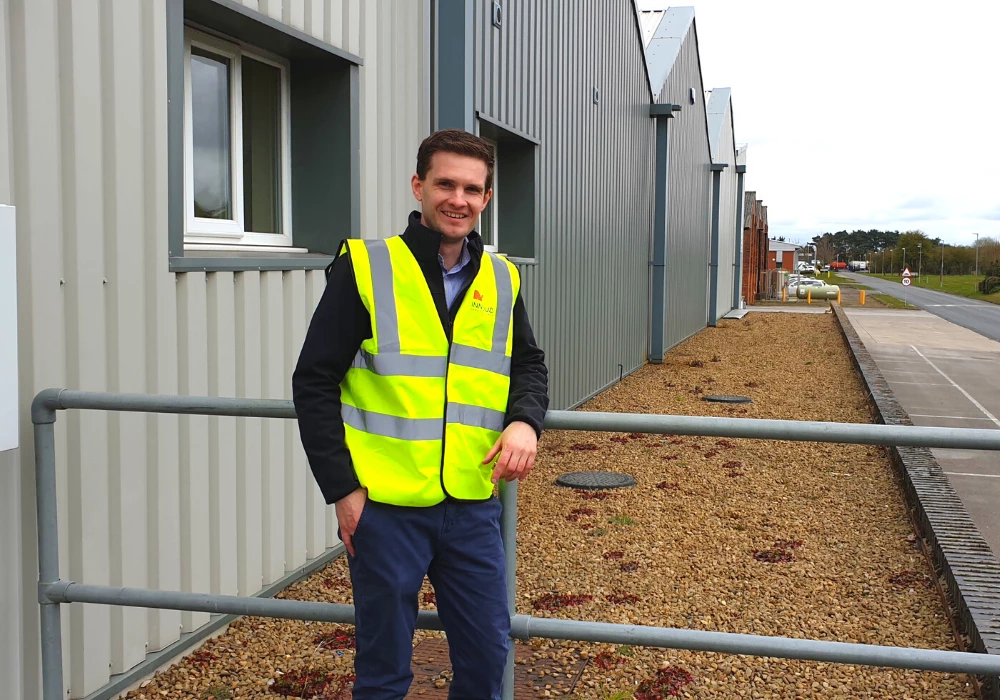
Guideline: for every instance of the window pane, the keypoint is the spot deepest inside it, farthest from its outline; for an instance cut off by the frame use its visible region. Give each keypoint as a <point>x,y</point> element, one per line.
<point>261,147</point>
<point>210,130</point>
<point>486,224</point>
<point>488,219</point>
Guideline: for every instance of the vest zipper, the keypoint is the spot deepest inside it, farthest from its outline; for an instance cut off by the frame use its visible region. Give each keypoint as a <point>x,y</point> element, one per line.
<point>444,419</point>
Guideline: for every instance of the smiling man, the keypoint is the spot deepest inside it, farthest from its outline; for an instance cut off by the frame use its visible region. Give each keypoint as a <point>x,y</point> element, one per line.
<point>420,386</point>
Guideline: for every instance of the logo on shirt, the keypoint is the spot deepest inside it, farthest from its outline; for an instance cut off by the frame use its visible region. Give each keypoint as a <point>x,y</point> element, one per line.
<point>477,303</point>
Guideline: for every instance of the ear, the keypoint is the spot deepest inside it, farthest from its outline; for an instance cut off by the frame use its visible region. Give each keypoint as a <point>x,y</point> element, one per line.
<point>417,185</point>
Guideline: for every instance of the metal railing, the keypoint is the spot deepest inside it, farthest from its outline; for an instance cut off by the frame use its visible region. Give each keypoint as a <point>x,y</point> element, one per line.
<point>52,591</point>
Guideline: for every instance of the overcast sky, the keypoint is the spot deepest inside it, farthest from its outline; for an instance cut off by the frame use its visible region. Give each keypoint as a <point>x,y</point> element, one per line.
<point>879,114</point>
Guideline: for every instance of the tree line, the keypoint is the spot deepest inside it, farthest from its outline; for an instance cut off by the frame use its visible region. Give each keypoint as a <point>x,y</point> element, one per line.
<point>884,250</point>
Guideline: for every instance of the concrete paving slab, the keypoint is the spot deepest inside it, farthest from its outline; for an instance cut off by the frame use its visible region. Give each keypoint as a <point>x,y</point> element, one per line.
<point>804,309</point>
<point>902,328</point>
<point>948,376</point>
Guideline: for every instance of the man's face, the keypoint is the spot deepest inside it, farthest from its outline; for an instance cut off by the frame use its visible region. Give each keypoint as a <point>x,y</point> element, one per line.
<point>453,194</point>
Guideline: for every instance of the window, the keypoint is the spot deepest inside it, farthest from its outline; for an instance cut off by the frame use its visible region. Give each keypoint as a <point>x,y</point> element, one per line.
<point>488,220</point>
<point>263,141</point>
<point>237,174</point>
<point>514,210</point>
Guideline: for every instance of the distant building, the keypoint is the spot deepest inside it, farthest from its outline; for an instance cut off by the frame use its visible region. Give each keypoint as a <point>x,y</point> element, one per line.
<point>782,256</point>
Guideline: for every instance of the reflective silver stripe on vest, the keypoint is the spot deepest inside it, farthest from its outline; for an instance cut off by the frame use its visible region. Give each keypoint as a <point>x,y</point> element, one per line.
<point>468,356</point>
<point>386,320</point>
<point>475,416</point>
<point>390,362</point>
<point>505,303</point>
<point>391,426</point>
<point>396,364</point>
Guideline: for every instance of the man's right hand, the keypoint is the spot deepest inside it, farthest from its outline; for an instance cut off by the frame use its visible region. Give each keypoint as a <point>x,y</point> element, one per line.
<point>348,514</point>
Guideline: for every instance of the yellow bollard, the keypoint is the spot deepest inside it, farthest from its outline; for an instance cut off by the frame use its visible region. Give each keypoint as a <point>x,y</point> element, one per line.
<point>862,297</point>
<point>809,296</point>
<point>784,293</point>
<point>838,295</point>
<point>828,274</point>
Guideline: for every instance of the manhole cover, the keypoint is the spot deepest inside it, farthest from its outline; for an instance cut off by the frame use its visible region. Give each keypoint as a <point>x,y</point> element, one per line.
<point>595,480</point>
<point>723,398</point>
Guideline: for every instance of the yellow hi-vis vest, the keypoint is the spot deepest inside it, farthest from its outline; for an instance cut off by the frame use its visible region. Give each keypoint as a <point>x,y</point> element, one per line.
<point>420,413</point>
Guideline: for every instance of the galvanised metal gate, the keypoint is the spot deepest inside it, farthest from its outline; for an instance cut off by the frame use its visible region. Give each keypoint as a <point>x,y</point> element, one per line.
<point>52,591</point>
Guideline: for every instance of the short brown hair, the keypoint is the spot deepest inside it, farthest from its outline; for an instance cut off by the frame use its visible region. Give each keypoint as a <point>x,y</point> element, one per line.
<point>455,141</point>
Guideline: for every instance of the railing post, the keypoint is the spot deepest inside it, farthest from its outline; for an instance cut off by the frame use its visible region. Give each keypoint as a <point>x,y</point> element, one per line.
<point>508,533</point>
<point>44,419</point>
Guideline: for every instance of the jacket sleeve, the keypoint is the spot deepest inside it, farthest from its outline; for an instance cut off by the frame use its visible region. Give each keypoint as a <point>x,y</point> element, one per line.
<point>529,379</point>
<point>338,327</point>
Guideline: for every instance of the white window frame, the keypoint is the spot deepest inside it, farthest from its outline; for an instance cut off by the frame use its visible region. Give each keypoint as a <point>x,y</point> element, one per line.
<point>229,234</point>
<point>494,247</point>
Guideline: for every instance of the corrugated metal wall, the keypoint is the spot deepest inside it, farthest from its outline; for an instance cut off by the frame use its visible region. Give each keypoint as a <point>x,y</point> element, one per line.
<point>190,503</point>
<point>727,217</point>
<point>690,196</point>
<point>11,595</point>
<point>588,295</point>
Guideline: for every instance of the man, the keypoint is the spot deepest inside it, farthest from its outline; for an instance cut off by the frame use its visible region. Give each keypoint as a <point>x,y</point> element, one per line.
<point>419,370</point>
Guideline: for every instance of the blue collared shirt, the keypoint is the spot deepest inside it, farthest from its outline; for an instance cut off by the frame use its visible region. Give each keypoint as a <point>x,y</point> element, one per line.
<point>456,277</point>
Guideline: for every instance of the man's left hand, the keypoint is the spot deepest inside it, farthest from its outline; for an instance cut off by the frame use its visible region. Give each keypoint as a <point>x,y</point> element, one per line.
<point>516,446</point>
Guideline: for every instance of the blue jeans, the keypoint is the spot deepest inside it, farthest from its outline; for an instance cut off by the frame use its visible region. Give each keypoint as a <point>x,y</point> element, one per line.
<point>458,546</point>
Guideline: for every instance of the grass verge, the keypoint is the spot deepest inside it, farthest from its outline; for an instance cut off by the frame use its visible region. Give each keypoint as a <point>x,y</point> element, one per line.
<point>890,301</point>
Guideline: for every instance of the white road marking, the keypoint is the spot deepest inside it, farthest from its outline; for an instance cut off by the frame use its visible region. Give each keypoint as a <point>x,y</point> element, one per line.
<point>924,415</point>
<point>921,383</point>
<point>987,476</point>
<point>967,394</point>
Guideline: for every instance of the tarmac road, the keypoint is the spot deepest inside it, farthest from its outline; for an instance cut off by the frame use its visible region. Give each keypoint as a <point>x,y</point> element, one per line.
<point>979,316</point>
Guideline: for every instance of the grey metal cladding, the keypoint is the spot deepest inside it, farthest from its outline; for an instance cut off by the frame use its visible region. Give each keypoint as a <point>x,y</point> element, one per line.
<point>718,107</point>
<point>588,294</point>
<point>663,48</point>
<point>723,149</point>
<point>689,192</point>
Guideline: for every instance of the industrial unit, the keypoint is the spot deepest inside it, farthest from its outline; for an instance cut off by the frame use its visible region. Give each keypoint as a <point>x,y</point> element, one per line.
<point>182,172</point>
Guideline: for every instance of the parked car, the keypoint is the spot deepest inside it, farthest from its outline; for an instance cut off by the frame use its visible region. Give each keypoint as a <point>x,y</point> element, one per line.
<point>802,283</point>
<point>825,268</point>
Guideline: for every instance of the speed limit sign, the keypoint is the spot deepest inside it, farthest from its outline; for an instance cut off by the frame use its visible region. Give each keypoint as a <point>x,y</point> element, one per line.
<point>906,281</point>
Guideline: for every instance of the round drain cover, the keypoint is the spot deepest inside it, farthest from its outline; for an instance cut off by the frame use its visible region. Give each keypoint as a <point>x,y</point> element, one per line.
<point>723,398</point>
<point>595,480</point>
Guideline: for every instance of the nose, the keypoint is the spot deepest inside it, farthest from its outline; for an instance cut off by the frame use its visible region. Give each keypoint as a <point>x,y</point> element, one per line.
<point>458,198</point>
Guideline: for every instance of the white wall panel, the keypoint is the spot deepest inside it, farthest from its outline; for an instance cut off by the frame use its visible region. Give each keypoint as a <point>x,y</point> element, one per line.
<point>192,336</point>
<point>272,448</point>
<point>248,436</point>
<point>295,463</point>
<point>222,433</point>
<point>121,25</point>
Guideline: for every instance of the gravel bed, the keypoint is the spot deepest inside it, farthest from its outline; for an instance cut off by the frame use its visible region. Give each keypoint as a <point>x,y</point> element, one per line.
<point>788,539</point>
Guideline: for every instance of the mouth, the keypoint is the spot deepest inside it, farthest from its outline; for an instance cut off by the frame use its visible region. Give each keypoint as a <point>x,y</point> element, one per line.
<point>454,215</point>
